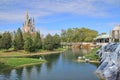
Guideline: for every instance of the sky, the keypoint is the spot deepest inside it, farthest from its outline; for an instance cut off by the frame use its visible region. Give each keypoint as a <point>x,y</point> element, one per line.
<point>51,16</point>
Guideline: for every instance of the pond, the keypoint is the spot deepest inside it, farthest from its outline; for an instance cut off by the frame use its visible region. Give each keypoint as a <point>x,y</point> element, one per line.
<point>59,67</point>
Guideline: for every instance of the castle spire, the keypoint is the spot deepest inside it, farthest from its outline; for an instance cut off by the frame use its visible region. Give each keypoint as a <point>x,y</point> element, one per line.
<point>33,21</point>
<point>27,17</point>
<point>28,26</point>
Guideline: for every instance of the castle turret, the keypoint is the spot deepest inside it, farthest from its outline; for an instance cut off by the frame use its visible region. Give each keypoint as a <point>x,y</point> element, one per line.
<point>29,24</point>
<point>27,17</point>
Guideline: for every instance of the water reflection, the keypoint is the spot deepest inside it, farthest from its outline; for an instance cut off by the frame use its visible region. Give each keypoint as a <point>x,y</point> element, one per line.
<point>73,54</point>
<point>59,67</point>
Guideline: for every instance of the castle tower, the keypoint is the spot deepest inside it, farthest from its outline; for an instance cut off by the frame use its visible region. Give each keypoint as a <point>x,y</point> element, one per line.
<point>28,25</point>
<point>27,17</point>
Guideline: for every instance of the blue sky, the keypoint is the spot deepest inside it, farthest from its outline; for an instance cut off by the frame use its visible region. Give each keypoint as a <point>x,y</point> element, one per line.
<point>53,15</point>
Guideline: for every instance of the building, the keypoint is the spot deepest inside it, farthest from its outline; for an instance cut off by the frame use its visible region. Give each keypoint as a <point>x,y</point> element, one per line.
<point>28,25</point>
<point>115,34</point>
<point>113,37</point>
<point>102,39</point>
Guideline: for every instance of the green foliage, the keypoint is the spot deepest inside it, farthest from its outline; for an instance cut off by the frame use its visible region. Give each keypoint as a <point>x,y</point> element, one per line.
<point>48,42</point>
<point>18,40</point>
<point>38,41</point>
<point>6,41</point>
<point>0,36</point>
<point>78,35</point>
<point>56,41</point>
<point>0,41</point>
<point>63,35</point>
<point>104,33</point>
<point>14,62</point>
<point>30,42</point>
<point>92,55</point>
<point>28,45</point>
<point>52,42</point>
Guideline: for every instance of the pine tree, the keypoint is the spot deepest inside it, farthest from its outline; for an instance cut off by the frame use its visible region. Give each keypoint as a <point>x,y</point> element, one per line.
<point>56,41</point>
<point>28,45</point>
<point>18,40</point>
<point>6,41</point>
<point>0,44</point>
<point>37,41</point>
<point>48,42</point>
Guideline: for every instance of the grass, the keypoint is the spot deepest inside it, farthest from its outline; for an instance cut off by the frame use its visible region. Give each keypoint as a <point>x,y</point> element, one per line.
<point>60,49</point>
<point>12,58</point>
<point>94,58</point>
<point>17,62</point>
<point>22,53</point>
<point>92,55</point>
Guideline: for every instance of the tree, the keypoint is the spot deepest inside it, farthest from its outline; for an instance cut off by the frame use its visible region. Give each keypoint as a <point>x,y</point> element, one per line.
<point>56,41</point>
<point>48,42</point>
<point>18,40</point>
<point>6,41</point>
<point>0,36</point>
<point>37,41</point>
<point>63,35</point>
<point>28,45</point>
<point>103,33</point>
<point>78,35</point>
<point>0,41</point>
<point>69,35</point>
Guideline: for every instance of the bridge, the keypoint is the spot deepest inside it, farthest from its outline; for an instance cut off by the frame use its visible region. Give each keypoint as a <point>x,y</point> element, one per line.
<point>77,44</point>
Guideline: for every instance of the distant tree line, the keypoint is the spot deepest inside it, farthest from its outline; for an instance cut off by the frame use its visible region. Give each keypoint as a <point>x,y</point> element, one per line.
<point>78,35</point>
<point>30,42</point>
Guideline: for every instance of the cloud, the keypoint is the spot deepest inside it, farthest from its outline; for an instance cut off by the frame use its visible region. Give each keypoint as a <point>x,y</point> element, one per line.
<point>10,16</point>
<point>15,9</point>
<point>81,7</point>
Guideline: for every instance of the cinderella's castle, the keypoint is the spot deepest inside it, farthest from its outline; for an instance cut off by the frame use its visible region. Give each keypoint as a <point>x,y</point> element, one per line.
<point>28,25</point>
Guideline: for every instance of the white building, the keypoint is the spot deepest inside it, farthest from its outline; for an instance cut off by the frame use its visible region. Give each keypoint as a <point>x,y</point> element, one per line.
<point>115,34</point>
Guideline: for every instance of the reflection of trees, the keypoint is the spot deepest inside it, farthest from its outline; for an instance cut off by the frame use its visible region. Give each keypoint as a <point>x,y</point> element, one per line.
<point>26,72</point>
<point>71,54</point>
<point>96,64</point>
<point>13,75</point>
<point>52,59</point>
<point>4,68</point>
<point>22,73</point>
<point>30,71</point>
<point>35,56</point>
<point>34,75</point>
<point>19,71</point>
<point>38,68</point>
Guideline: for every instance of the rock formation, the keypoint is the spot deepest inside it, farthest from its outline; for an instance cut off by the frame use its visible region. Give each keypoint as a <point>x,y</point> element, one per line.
<point>109,69</point>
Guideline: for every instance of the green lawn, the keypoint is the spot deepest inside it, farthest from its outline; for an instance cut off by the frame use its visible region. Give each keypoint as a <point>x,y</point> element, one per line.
<point>13,59</point>
<point>92,55</point>
<point>17,62</point>
<point>22,53</point>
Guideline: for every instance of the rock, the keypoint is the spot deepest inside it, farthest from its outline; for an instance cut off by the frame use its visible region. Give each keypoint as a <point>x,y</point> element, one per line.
<point>79,57</point>
<point>87,60</point>
<point>110,61</point>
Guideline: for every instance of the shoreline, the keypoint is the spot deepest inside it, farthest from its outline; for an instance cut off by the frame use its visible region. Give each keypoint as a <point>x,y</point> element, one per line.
<point>20,66</point>
<point>22,54</point>
<point>91,61</point>
<point>17,59</point>
<point>13,63</point>
<point>25,65</point>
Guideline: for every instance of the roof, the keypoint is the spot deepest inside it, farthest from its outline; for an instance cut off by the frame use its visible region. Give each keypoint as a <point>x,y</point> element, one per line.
<point>102,36</point>
<point>117,27</point>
